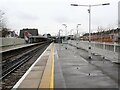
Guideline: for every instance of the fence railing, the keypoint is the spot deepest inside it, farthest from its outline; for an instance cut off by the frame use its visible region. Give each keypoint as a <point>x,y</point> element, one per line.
<point>108,50</point>
<point>107,46</point>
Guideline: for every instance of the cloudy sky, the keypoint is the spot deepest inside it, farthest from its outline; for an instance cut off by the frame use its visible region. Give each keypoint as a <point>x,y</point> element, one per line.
<point>49,15</point>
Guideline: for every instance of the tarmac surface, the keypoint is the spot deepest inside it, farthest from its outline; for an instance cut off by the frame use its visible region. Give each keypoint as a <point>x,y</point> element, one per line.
<point>73,69</point>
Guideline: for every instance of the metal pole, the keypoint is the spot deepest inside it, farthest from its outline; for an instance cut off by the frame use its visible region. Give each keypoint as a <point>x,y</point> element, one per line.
<point>66,34</point>
<point>76,37</point>
<point>66,37</point>
<point>77,31</point>
<point>59,36</point>
<point>89,11</point>
<point>71,35</point>
<point>59,39</point>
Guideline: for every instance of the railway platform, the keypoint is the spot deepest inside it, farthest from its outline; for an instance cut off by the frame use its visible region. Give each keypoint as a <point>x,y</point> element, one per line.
<point>13,47</point>
<point>74,71</point>
<point>59,67</point>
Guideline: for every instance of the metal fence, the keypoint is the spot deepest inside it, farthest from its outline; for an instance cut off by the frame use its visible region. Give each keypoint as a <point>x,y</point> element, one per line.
<point>108,50</point>
<point>107,46</point>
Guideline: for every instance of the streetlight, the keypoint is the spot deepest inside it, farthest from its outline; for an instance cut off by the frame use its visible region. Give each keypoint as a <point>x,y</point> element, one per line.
<point>77,35</point>
<point>59,38</point>
<point>59,35</point>
<point>77,28</point>
<point>89,11</point>
<point>71,33</point>
<point>65,34</point>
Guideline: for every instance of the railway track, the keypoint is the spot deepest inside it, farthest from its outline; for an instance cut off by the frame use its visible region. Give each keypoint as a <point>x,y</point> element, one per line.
<point>18,65</point>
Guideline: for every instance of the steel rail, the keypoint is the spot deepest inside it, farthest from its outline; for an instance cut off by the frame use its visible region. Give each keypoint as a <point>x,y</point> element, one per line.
<point>23,59</point>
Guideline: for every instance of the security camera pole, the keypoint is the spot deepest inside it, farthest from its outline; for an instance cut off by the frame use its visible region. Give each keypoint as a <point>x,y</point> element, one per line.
<point>89,11</point>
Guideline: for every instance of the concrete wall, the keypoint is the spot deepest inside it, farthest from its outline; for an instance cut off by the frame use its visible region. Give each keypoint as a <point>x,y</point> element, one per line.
<point>109,51</point>
<point>11,41</point>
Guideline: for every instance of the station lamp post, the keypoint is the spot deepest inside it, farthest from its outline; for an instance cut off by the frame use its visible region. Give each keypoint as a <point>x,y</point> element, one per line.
<point>65,34</point>
<point>59,35</point>
<point>71,31</point>
<point>89,11</point>
<point>77,35</point>
<point>71,35</point>
<point>77,28</point>
<point>59,38</point>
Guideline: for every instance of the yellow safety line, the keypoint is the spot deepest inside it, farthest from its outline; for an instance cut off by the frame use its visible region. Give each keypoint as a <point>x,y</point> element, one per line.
<point>52,71</point>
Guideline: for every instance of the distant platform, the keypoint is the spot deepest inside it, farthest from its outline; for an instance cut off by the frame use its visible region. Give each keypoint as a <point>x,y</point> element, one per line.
<point>13,47</point>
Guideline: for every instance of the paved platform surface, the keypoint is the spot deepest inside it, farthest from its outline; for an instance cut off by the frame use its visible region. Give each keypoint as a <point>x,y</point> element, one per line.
<point>73,71</point>
<point>8,48</point>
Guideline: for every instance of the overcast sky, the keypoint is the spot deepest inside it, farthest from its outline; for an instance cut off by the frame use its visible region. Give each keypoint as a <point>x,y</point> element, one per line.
<point>49,15</point>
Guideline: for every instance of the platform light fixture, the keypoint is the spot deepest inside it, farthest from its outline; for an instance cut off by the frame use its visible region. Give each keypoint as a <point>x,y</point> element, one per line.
<point>65,34</point>
<point>77,35</point>
<point>89,11</point>
<point>59,35</point>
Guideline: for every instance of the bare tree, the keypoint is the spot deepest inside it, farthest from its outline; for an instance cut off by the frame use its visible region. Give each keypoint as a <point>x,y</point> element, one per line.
<point>2,19</point>
<point>4,31</point>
